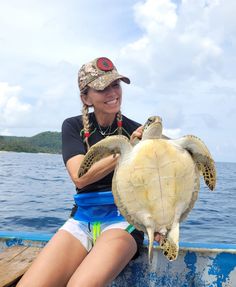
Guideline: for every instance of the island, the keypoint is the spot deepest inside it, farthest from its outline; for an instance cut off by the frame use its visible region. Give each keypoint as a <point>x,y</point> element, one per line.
<point>45,142</point>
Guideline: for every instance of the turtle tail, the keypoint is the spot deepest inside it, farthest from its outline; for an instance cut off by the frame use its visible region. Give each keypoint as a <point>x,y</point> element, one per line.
<point>150,233</point>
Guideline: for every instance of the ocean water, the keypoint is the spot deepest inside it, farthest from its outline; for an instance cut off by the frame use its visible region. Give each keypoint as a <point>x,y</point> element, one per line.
<point>36,195</point>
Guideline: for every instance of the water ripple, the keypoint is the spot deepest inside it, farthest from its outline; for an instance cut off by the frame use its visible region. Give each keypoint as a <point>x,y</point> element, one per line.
<point>37,194</point>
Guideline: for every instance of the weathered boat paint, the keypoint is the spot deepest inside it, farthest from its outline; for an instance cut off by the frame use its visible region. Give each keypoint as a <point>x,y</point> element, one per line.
<point>198,265</point>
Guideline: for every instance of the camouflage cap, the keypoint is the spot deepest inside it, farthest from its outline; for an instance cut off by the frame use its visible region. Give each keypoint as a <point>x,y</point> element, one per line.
<point>98,74</point>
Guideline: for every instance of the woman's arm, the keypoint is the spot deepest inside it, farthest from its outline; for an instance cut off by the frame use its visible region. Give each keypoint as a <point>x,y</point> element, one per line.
<point>98,170</point>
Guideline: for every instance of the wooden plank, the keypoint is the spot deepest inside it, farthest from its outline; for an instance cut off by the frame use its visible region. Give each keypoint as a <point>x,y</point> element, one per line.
<point>9,253</point>
<point>14,262</point>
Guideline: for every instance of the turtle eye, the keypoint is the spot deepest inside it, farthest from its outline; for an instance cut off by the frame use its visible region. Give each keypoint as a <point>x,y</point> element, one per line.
<point>154,119</point>
<point>149,121</point>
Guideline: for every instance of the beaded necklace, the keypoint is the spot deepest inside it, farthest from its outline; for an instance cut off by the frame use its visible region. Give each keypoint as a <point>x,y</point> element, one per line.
<point>87,134</point>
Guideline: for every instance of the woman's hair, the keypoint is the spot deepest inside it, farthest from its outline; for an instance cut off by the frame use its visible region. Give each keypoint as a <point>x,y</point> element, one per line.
<point>86,125</point>
<point>85,119</point>
<point>119,122</point>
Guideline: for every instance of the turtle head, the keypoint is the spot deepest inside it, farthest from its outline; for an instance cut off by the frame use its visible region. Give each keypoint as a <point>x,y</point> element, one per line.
<point>152,129</point>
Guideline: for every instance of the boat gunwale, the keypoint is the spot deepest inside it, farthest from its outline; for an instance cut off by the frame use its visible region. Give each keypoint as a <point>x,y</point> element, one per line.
<point>185,246</point>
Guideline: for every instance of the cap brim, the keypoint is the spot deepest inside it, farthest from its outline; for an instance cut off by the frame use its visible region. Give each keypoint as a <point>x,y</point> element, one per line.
<point>105,80</point>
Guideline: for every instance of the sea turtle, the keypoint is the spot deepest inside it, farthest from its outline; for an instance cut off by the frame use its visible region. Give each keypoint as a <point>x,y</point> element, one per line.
<point>156,181</point>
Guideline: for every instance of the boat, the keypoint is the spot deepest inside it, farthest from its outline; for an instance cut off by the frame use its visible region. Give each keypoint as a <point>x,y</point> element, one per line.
<point>197,265</point>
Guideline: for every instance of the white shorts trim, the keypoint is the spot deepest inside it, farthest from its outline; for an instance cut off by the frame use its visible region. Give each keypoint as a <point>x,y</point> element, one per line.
<point>81,231</point>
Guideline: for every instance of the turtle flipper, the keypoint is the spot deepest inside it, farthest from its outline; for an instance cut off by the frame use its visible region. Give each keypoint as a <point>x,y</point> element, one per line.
<point>92,156</point>
<point>150,232</point>
<point>170,250</point>
<point>170,244</point>
<point>209,172</point>
<point>109,146</point>
<point>201,156</point>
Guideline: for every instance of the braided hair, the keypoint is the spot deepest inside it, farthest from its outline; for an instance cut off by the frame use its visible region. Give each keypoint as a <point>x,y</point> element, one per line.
<point>86,125</point>
<point>85,119</point>
<point>119,122</point>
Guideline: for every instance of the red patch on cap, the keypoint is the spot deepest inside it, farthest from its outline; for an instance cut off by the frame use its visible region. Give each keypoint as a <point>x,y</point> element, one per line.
<point>104,64</point>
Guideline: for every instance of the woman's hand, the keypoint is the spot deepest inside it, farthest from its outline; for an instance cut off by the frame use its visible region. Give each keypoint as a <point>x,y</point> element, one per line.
<point>136,135</point>
<point>157,237</point>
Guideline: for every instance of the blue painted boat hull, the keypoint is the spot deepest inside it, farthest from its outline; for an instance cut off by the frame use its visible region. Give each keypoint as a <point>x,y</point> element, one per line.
<point>195,267</point>
<point>198,265</point>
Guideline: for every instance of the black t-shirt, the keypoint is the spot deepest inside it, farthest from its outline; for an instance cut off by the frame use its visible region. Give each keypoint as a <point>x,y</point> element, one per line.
<point>73,143</point>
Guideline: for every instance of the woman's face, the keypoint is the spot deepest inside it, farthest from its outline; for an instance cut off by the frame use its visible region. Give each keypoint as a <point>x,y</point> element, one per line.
<point>107,101</point>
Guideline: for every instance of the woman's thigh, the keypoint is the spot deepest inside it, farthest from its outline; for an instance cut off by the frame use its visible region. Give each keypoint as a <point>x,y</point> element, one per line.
<point>56,263</point>
<point>113,250</point>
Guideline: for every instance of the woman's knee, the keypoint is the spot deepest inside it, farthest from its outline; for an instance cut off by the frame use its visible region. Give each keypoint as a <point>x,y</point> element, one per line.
<point>120,238</point>
<point>86,281</point>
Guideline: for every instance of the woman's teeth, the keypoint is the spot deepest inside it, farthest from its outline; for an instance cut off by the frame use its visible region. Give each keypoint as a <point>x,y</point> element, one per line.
<point>112,102</point>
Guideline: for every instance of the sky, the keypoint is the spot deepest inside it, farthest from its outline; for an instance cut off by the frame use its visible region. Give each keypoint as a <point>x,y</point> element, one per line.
<point>180,57</point>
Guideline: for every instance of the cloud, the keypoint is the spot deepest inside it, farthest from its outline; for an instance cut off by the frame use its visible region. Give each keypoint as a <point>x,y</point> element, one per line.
<point>47,97</point>
<point>156,16</point>
<point>173,45</point>
<point>184,66</point>
<point>12,109</point>
<point>62,30</point>
<point>179,55</point>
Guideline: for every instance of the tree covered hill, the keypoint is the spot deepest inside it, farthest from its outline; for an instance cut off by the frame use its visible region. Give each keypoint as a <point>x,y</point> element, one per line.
<point>46,142</point>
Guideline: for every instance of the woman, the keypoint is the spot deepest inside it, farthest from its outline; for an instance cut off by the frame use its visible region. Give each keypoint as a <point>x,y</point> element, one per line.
<point>74,257</point>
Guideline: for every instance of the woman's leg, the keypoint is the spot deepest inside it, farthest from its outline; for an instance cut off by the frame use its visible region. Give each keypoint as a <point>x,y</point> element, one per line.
<point>56,263</point>
<point>113,250</point>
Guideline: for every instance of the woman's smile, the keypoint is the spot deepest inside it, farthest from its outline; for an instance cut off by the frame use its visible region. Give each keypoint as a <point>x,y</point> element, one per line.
<point>112,102</point>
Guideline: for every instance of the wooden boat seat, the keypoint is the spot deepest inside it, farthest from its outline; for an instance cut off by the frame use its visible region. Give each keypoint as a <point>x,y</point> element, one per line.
<point>14,261</point>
